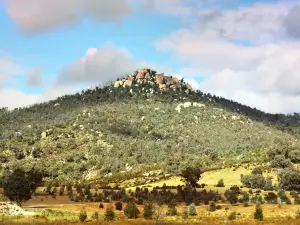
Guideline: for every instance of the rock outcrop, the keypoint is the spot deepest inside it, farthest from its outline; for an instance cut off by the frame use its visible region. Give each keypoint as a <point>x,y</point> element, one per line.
<point>148,76</point>
<point>10,209</point>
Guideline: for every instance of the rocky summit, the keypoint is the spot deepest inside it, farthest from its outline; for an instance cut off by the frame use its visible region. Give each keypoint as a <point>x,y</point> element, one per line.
<point>148,76</point>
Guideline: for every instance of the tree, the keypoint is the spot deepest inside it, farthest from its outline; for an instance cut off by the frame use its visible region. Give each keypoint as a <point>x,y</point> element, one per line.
<point>35,177</point>
<point>148,210</point>
<point>220,183</point>
<point>192,175</point>
<point>18,187</point>
<point>131,211</point>
<point>192,210</point>
<point>109,213</point>
<point>258,214</point>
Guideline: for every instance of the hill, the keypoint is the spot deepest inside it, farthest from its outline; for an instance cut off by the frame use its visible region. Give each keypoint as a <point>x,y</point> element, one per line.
<point>143,122</point>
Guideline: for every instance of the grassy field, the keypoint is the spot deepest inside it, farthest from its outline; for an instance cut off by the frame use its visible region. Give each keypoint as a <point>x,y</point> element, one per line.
<point>63,211</point>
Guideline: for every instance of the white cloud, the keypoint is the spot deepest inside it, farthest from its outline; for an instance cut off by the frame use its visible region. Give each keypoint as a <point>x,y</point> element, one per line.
<point>13,98</point>
<point>35,16</point>
<point>34,78</point>
<point>99,65</point>
<point>243,54</point>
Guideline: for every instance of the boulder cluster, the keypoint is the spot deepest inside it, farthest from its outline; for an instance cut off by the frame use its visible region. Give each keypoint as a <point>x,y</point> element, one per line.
<point>148,76</point>
<point>10,209</point>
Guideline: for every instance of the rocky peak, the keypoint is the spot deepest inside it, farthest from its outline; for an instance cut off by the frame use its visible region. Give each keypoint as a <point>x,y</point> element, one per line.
<point>148,76</point>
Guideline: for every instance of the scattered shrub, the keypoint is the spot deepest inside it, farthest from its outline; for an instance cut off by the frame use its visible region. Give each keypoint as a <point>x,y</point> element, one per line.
<point>258,214</point>
<point>119,206</point>
<point>82,216</point>
<point>232,216</point>
<point>192,210</point>
<point>109,213</point>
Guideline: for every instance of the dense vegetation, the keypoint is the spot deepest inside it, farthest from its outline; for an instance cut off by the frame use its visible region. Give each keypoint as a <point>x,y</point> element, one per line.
<point>120,133</point>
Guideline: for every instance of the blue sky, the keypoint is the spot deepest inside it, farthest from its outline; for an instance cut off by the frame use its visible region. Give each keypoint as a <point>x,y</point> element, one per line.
<point>224,48</point>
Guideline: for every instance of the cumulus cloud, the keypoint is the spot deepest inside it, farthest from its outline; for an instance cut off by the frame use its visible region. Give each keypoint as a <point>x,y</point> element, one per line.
<point>99,65</point>
<point>291,22</point>
<point>34,78</point>
<point>171,7</point>
<point>9,66</point>
<point>37,16</point>
<point>14,98</point>
<point>242,54</point>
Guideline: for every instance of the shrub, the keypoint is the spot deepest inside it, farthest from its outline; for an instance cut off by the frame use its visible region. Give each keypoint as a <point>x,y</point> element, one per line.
<point>297,214</point>
<point>220,183</point>
<point>192,210</point>
<point>185,214</point>
<point>109,213</point>
<point>245,197</point>
<point>172,211</point>
<point>139,201</point>
<point>289,180</point>
<point>212,207</point>
<point>148,210</point>
<point>119,206</point>
<point>258,214</point>
<point>257,170</point>
<point>295,156</point>
<point>95,216</point>
<point>297,201</point>
<point>271,198</point>
<point>280,161</point>
<point>232,216</point>
<point>82,216</point>
<point>131,211</point>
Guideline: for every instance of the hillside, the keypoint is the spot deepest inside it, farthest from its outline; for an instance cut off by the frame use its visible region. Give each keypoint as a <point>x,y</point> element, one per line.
<point>143,122</point>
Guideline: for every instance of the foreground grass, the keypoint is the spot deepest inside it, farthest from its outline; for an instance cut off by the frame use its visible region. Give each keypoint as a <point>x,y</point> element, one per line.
<point>191,221</point>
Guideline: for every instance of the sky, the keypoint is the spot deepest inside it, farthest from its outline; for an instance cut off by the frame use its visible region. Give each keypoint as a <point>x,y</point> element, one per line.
<point>244,50</point>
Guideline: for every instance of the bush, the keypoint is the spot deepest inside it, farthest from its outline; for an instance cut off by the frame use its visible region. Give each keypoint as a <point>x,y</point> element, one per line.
<point>257,170</point>
<point>185,214</point>
<point>109,213</point>
<point>297,201</point>
<point>258,214</point>
<point>82,216</point>
<point>297,214</point>
<point>192,210</point>
<point>172,211</point>
<point>95,216</point>
<point>295,156</point>
<point>139,201</point>
<point>289,180</point>
<point>280,161</point>
<point>148,210</point>
<point>232,216</point>
<point>119,206</point>
<point>212,207</point>
<point>131,211</point>
<point>220,183</point>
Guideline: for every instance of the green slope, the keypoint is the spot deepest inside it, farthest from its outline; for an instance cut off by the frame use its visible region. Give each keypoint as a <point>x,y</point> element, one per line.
<point>122,132</point>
